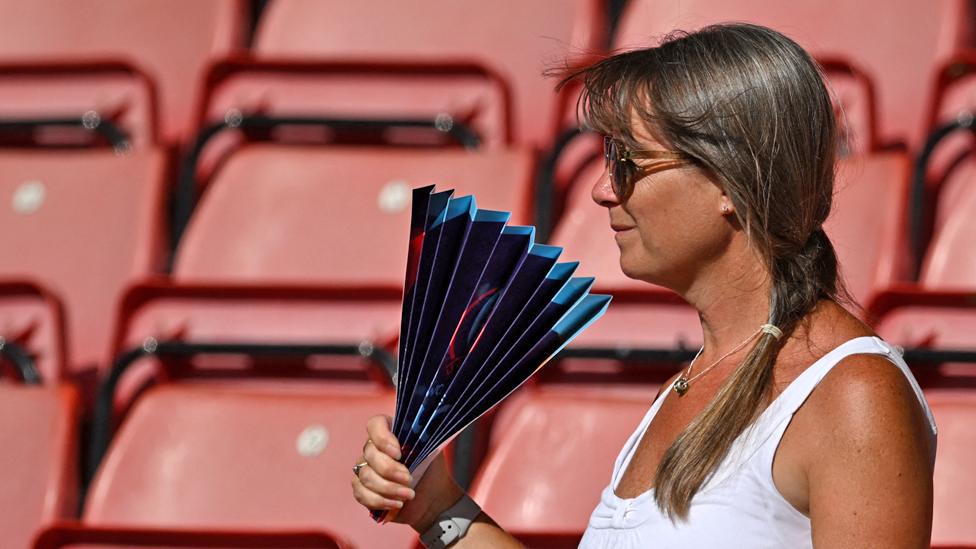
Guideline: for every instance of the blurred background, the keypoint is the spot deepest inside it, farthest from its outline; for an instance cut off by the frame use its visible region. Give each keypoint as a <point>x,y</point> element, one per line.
<point>203,222</point>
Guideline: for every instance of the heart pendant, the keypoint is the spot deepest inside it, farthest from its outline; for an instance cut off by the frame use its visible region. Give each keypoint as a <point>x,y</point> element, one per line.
<point>681,386</point>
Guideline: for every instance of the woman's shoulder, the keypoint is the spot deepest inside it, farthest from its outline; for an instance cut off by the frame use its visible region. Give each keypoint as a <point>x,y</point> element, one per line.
<point>866,405</point>
<point>863,394</point>
<point>865,401</point>
<point>862,431</point>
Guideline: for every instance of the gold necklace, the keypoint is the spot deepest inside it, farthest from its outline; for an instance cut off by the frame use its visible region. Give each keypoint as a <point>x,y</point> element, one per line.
<point>683,383</point>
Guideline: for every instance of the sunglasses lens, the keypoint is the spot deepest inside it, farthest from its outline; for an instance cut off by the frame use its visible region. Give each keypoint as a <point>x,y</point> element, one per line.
<point>623,171</point>
<point>617,168</point>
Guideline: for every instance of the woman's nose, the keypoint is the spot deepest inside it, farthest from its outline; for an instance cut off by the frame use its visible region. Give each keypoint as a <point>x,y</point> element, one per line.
<point>603,192</point>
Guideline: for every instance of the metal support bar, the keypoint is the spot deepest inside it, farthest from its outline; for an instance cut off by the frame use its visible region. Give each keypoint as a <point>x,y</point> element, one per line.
<point>545,183</point>
<point>22,361</point>
<point>917,202</point>
<point>90,121</point>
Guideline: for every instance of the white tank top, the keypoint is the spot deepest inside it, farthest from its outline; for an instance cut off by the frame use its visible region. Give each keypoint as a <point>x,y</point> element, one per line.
<point>739,506</point>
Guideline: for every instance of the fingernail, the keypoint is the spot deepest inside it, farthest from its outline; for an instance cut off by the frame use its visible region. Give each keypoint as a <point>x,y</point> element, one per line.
<point>405,477</point>
<point>393,451</point>
<point>398,504</point>
<point>405,493</point>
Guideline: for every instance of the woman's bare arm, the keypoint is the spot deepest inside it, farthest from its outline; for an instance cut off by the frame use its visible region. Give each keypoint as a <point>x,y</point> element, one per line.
<point>869,470</point>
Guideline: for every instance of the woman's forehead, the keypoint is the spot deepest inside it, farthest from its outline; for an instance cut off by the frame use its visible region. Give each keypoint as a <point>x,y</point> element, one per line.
<point>644,132</point>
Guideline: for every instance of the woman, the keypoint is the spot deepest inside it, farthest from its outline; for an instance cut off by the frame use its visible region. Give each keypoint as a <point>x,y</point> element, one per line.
<point>791,428</point>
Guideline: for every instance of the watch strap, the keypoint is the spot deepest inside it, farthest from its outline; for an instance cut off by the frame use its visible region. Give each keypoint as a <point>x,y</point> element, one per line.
<point>452,524</point>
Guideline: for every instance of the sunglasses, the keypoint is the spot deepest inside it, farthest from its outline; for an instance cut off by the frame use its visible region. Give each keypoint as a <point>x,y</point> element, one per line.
<point>624,172</point>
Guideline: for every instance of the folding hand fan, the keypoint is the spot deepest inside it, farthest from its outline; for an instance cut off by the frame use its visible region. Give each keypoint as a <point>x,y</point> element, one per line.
<point>484,307</point>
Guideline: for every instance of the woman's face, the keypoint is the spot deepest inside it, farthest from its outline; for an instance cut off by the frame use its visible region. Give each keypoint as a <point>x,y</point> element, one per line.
<point>672,226</point>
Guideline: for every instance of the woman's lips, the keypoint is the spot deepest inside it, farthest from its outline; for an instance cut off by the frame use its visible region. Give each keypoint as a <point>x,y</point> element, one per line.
<point>620,228</point>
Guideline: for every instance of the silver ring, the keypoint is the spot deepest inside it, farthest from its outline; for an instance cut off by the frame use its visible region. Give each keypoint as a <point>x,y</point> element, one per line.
<point>358,467</point>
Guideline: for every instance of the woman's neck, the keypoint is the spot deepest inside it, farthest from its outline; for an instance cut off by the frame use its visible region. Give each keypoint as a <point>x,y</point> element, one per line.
<point>732,299</point>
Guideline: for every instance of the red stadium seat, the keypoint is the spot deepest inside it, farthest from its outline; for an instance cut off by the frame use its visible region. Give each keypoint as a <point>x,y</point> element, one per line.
<point>950,262</point>
<point>172,41</point>
<point>955,483</point>
<point>73,536</point>
<point>936,320</point>
<point>286,213</point>
<point>38,457</point>
<point>225,459</point>
<point>868,35</point>
<point>914,317</point>
<point>83,225</point>
<point>332,221</point>
<point>536,35</point>
<point>352,329</point>
<point>553,447</point>
<point>867,223</point>
<point>259,263</point>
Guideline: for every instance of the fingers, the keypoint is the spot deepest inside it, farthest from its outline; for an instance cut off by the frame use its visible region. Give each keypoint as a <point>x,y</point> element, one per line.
<point>383,483</point>
<point>384,466</point>
<point>378,429</point>
<point>370,499</point>
<point>385,487</point>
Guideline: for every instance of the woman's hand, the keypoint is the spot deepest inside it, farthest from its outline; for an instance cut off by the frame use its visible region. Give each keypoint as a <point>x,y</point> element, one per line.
<point>384,483</point>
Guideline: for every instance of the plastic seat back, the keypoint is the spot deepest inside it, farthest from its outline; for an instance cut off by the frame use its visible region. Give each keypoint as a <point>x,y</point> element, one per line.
<point>172,41</point>
<point>950,262</point>
<point>83,225</point>
<point>38,456</point>
<point>867,222</point>
<point>955,481</point>
<point>518,40</point>
<point>225,458</point>
<point>866,34</point>
<point>554,449</point>
<point>332,215</point>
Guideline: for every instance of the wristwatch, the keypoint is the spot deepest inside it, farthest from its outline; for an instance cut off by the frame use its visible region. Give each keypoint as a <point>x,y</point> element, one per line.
<point>452,524</point>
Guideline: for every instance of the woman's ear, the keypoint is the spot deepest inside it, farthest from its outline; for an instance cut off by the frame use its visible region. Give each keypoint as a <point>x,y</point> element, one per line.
<point>726,205</point>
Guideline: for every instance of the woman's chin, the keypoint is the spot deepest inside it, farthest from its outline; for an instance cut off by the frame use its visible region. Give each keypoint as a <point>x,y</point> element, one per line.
<point>633,269</point>
<point>640,270</point>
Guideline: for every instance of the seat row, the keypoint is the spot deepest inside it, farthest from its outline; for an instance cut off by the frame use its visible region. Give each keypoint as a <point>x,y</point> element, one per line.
<point>474,65</point>
<point>210,463</point>
<point>285,290</point>
<point>85,237</point>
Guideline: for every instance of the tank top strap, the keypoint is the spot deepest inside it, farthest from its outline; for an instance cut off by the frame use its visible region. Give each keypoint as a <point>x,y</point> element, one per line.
<point>797,392</point>
<point>769,426</point>
<point>790,400</point>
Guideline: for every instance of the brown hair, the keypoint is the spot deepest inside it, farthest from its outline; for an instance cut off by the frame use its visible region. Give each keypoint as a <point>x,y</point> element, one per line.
<point>750,106</point>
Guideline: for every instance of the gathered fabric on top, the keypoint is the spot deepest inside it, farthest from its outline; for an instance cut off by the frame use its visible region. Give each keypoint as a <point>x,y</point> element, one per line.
<point>739,506</point>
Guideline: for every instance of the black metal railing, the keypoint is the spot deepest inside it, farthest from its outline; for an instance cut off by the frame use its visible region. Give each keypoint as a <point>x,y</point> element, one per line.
<point>918,203</point>
<point>89,121</point>
<point>22,362</point>
<point>545,184</point>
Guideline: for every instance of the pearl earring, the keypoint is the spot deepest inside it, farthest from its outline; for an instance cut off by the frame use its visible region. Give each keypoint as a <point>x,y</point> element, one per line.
<point>725,208</point>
